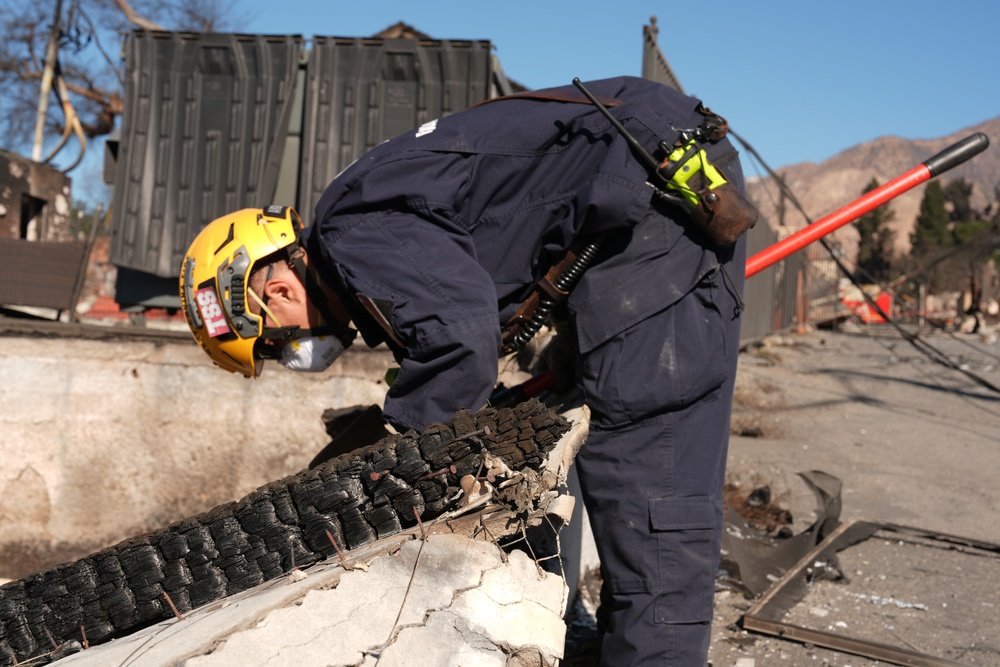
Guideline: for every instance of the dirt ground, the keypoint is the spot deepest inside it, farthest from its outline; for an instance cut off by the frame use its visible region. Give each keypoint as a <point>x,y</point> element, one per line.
<point>914,444</point>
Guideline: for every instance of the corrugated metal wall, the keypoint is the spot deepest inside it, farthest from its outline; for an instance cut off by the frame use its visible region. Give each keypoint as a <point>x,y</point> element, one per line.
<point>760,291</point>
<point>205,121</point>
<point>361,92</point>
<point>654,65</point>
<point>218,122</point>
<point>798,291</point>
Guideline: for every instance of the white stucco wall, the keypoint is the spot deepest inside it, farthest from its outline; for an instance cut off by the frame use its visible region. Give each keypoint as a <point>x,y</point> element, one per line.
<point>105,439</point>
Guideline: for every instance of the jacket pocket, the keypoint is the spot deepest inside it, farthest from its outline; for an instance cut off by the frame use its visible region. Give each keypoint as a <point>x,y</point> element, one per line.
<point>668,361</point>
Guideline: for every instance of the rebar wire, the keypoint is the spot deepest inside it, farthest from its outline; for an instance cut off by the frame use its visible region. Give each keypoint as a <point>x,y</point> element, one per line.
<point>409,586</point>
<point>921,345</point>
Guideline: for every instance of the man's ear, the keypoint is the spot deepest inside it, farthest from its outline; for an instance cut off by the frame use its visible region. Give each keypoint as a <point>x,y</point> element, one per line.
<point>281,289</point>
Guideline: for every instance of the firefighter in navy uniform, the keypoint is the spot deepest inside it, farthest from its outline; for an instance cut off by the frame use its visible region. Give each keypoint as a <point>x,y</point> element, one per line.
<point>431,242</point>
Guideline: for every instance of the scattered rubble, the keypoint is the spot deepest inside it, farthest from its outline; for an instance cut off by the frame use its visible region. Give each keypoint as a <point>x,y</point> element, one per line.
<point>351,500</point>
<point>909,597</point>
<point>446,601</point>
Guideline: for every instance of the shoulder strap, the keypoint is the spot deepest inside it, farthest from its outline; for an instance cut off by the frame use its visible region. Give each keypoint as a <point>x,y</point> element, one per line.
<point>552,96</point>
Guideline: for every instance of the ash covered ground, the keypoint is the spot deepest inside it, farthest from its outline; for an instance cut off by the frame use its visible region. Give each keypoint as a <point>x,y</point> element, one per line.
<point>912,443</point>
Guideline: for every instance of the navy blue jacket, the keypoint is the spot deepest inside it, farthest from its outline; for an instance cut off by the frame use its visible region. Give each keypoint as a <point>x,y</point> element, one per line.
<point>443,231</point>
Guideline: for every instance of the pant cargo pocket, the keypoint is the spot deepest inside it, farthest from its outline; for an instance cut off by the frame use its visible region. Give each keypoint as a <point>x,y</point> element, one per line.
<point>686,531</point>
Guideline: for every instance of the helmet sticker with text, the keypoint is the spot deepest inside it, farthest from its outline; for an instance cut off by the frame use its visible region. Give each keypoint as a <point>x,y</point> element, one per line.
<point>211,312</point>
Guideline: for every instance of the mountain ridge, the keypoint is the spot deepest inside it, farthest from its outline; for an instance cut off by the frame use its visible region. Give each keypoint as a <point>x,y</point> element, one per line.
<point>824,187</point>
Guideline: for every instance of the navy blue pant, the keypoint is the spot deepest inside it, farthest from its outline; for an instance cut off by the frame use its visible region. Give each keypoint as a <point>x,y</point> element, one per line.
<point>652,471</point>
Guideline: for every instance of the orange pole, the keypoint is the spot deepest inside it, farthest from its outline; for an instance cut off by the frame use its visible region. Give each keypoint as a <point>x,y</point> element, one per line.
<point>950,157</point>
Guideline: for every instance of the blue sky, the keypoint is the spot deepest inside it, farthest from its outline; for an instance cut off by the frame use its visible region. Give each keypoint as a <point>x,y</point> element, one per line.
<point>799,80</point>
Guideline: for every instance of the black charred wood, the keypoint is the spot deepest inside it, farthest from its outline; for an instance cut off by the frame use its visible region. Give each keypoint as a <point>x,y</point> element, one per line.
<point>355,498</point>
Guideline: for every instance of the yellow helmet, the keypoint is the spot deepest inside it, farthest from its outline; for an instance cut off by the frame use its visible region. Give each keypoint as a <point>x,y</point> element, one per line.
<point>214,279</point>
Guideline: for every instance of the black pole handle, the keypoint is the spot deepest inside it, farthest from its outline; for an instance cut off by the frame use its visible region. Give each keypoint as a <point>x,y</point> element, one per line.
<point>957,153</point>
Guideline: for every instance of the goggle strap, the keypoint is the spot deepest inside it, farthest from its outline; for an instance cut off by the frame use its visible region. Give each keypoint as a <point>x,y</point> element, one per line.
<point>263,306</point>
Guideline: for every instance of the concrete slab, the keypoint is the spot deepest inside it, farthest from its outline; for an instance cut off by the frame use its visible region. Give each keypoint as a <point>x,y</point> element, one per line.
<point>452,596</point>
<point>201,630</point>
<point>444,599</point>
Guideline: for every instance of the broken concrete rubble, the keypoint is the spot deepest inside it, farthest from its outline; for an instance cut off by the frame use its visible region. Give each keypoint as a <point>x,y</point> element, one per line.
<point>449,600</point>
<point>452,592</point>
